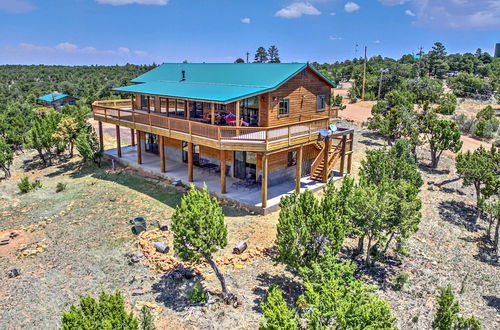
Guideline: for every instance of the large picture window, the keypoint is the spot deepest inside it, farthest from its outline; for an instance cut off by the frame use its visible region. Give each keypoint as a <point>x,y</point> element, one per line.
<point>284,107</point>
<point>320,103</point>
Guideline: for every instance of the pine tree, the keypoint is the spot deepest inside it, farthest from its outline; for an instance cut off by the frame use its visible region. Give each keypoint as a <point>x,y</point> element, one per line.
<point>447,315</point>
<point>261,55</point>
<point>443,135</point>
<point>199,231</point>
<point>274,56</point>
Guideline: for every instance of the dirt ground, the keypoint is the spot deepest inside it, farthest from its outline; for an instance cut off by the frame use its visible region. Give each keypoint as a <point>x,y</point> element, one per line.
<point>77,241</point>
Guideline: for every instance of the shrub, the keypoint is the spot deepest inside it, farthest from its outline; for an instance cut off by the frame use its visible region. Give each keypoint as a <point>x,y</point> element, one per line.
<point>146,319</point>
<point>465,124</point>
<point>60,187</point>
<point>198,295</point>
<point>486,128</point>
<point>401,280</point>
<point>447,104</point>
<point>276,312</point>
<point>107,313</point>
<point>25,186</point>
<point>447,315</point>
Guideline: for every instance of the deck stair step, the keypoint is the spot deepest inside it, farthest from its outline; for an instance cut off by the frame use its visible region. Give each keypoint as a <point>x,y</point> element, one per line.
<point>319,163</point>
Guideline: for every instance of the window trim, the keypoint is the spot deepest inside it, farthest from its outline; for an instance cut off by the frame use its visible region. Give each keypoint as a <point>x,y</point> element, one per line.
<point>287,100</point>
<point>317,103</point>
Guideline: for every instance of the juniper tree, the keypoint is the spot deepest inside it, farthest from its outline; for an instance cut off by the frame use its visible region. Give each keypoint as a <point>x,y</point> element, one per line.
<point>107,313</point>
<point>447,315</point>
<point>6,157</point>
<point>88,146</point>
<point>443,135</point>
<point>66,133</point>
<point>480,169</point>
<point>307,226</point>
<point>276,312</point>
<point>199,230</point>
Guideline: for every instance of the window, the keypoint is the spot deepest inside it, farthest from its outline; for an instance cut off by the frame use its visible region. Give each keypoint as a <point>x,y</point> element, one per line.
<point>171,107</point>
<point>292,158</point>
<point>151,102</point>
<point>180,108</point>
<point>196,109</point>
<point>284,107</point>
<point>221,107</point>
<point>144,102</point>
<point>320,103</point>
<point>163,105</point>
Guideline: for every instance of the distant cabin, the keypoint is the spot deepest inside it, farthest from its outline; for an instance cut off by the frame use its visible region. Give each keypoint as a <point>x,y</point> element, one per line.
<point>56,99</point>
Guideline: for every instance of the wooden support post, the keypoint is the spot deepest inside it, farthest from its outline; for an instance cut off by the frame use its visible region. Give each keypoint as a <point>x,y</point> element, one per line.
<point>223,171</point>
<point>264,180</point>
<point>162,153</point>
<point>101,137</point>
<point>132,137</point>
<point>190,161</point>
<point>139,147</point>
<point>342,155</point>
<point>212,113</point>
<point>237,114</point>
<point>326,158</point>
<point>118,142</point>
<point>298,170</point>
<point>349,157</point>
<point>187,111</point>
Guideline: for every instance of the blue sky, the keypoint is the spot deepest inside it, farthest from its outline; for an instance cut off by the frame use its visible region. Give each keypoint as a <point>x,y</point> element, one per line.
<point>146,31</point>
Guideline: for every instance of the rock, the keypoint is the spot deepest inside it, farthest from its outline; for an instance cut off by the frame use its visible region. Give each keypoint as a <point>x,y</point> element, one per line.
<point>137,293</point>
<point>13,273</point>
<point>177,183</point>
<point>161,247</point>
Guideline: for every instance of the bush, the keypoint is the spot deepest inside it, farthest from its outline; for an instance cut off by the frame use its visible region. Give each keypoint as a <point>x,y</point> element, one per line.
<point>465,124</point>
<point>447,104</point>
<point>60,187</point>
<point>25,186</point>
<point>198,295</point>
<point>107,313</point>
<point>400,281</point>
<point>486,128</point>
<point>276,312</point>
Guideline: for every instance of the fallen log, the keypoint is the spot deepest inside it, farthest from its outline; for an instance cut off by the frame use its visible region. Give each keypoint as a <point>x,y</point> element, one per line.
<point>240,247</point>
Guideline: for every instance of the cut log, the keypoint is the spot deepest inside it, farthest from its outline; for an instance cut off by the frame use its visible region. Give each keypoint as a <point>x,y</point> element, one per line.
<point>5,241</point>
<point>240,247</point>
<point>162,225</point>
<point>161,247</point>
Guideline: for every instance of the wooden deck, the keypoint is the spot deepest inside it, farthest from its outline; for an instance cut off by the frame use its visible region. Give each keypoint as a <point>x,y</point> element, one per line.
<point>257,139</point>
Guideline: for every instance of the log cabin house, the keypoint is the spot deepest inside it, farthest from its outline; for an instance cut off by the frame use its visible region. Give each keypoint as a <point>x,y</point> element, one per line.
<point>56,100</point>
<point>257,124</point>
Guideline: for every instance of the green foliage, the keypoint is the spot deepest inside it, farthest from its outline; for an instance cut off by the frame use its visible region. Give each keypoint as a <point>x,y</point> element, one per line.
<point>261,55</point>
<point>443,135</point>
<point>198,295</point>
<point>486,113</point>
<point>336,101</point>
<point>146,319</point>
<point>60,187</point>
<point>487,124</point>
<point>424,89</point>
<point>306,226</point>
<point>107,313</point>
<point>447,104</point>
<point>401,280</point>
<point>199,229</point>
<point>480,169</point>
<point>88,146</point>
<point>66,134</point>
<point>278,316</point>
<point>41,135</point>
<point>447,315</point>
<point>273,53</point>
<point>437,60</point>
<point>25,186</point>
<point>6,157</point>
<point>470,85</point>
<point>336,299</point>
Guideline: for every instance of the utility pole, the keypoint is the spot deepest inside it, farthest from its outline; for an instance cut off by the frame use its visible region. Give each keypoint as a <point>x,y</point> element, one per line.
<point>364,78</point>
<point>419,60</point>
<point>356,51</point>
<point>247,55</point>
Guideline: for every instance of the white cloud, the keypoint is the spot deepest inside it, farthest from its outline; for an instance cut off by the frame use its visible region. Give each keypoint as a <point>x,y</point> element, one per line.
<point>454,14</point>
<point>297,9</point>
<point>335,38</point>
<point>376,41</point>
<point>333,14</point>
<point>16,6</point>
<point>246,20</point>
<point>129,2</point>
<point>410,13</point>
<point>351,7</point>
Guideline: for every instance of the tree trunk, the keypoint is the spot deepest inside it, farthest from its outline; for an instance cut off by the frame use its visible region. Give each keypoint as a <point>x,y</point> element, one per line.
<point>415,153</point>
<point>477,185</point>
<point>6,170</point>
<point>433,158</point>
<point>219,275</point>
<point>361,244</point>
<point>388,242</point>
<point>40,153</point>
<point>368,248</point>
<point>490,224</point>
<point>497,230</point>
<point>71,145</point>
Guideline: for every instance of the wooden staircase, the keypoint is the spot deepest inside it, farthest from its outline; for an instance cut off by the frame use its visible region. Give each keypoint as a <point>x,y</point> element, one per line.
<point>318,165</point>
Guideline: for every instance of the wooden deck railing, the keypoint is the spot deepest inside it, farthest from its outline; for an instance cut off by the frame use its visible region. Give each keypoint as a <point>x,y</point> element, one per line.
<point>121,111</point>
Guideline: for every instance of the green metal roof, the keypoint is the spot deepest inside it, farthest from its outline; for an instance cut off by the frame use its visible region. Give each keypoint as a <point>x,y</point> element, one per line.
<point>52,97</point>
<point>219,82</point>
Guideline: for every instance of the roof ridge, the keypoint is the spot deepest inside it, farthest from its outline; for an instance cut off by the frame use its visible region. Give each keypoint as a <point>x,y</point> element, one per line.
<point>208,83</point>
